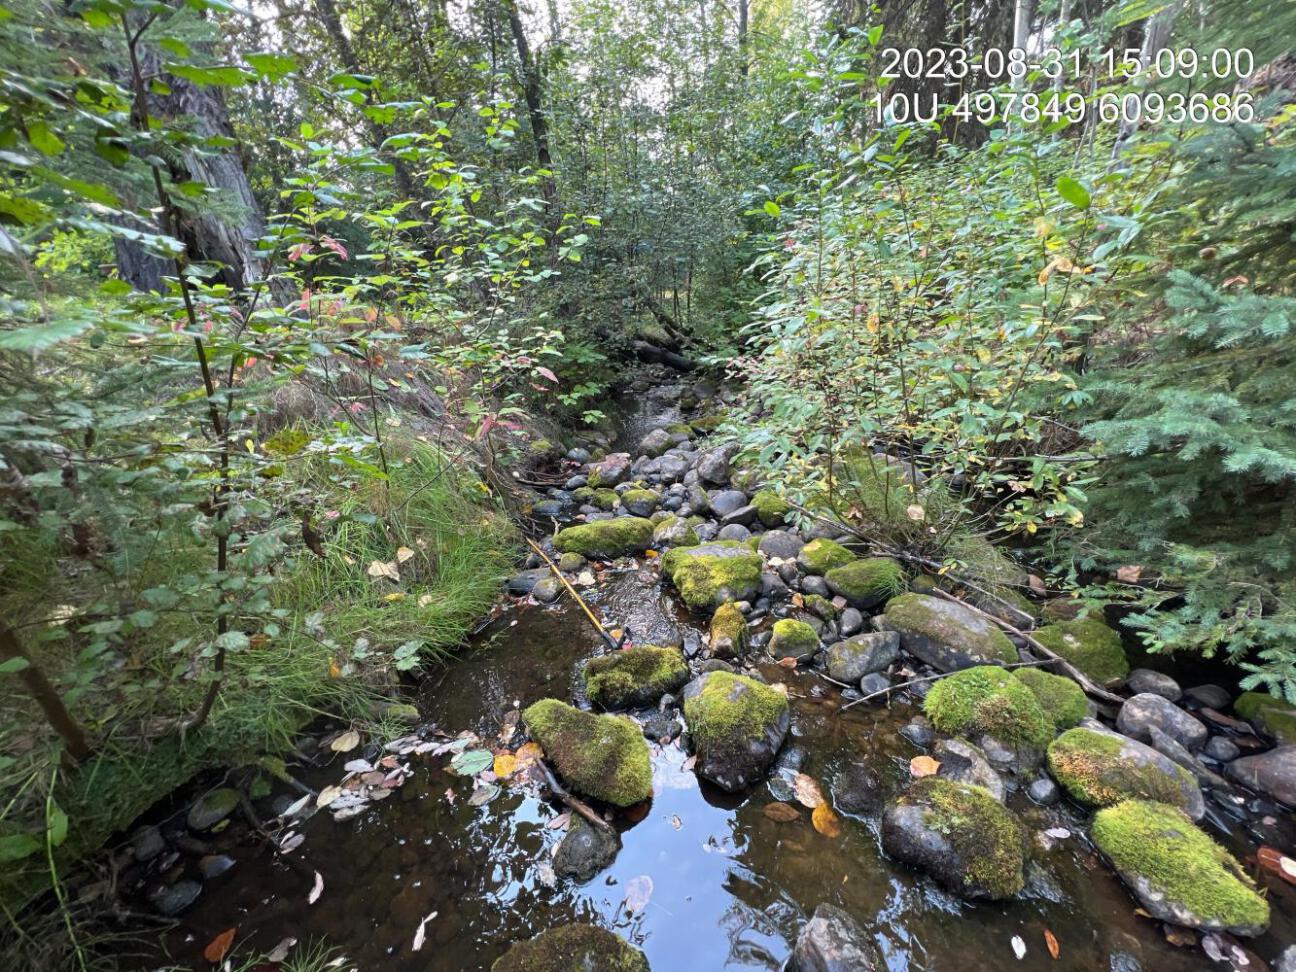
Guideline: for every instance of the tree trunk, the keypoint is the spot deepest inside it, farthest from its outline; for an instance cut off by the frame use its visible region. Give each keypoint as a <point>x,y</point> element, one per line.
<point>531,91</point>
<point>743,13</point>
<point>1022,16</point>
<point>1156,35</point>
<point>45,695</point>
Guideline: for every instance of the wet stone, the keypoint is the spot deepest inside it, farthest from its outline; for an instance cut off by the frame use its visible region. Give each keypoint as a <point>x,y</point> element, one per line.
<point>726,501</point>
<point>172,899</point>
<point>812,584</point>
<point>1144,680</point>
<point>211,808</point>
<point>852,659</point>
<point>1220,749</point>
<point>1272,773</point>
<point>147,843</point>
<point>1211,696</point>
<point>1044,792</point>
<point>919,733</point>
<point>521,584</point>
<point>585,850</point>
<point>857,789</point>
<point>547,590</point>
<point>833,941</point>
<point>873,683</point>
<point>962,762</point>
<point>1143,711</point>
<point>780,544</point>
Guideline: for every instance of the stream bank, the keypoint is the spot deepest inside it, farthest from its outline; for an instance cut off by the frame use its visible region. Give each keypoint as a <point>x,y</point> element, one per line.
<point>463,863</point>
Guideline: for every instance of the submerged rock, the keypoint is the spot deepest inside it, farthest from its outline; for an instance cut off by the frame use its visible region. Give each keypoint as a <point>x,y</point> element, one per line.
<point>602,756</point>
<point>857,788</point>
<point>606,538</point>
<point>793,639</point>
<point>852,659</point>
<point>833,941</point>
<point>988,700</point>
<point>585,850</point>
<point>960,835</point>
<point>710,574</point>
<point>634,676</point>
<point>1090,646</point>
<point>1102,768</point>
<point>1176,871</point>
<point>521,583</point>
<point>737,726</point>
<point>946,635</point>
<point>572,948</point>
<point>1272,773</point>
<point>866,583</point>
<point>211,808</point>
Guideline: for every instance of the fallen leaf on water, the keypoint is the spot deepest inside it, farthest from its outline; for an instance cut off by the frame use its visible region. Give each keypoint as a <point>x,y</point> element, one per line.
<point>280,951</point>
<point>297,807</point>
<point>1058,833</point>
<point>788,662</point>
<point>386,569</point>
<point>560,821</point>
<point>1277,863</point>
<point>527,755</point>
<point>825,821</point>
<point>317,889</point>
<point>638,891</point>
<point>676,822</point>
<point>651,555</point>
<point>484,794</point>
<point>420,933</point>
<point>782,812</point>
<point>921,766</point>
<point>505,765</point>
<point>1051,941</point>
<point>472,761</point>
<point>219,946</point>
<point>807,791</point>
<point>403,554</point>
<point>346,742</point>
<point>1019,947</point>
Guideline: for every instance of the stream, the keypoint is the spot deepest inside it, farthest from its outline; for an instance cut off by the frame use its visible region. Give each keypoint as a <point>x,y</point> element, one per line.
<point>730,887</point>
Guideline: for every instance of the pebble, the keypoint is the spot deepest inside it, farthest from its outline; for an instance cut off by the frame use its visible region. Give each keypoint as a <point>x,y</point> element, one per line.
<point>1220,749</point>
<point>919,734</point>
<point>147,843</point>
<point>1044,792</point>
<point>874,682</point>
<point>211,808</point>
<point>851,621</point>
<point>172,899</point>
<point>812,584</point>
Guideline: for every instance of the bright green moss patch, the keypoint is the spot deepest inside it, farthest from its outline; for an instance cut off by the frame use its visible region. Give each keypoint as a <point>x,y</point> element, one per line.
<point>1090,646</point>
<point>1062,700</point>
<point>983,833</point>
<point>603,756</point>
<point>1180,865</point>
<point>728,630</point>
<point>1096,768</point>
<point>713,573</point>
<point>635,676</point>
<point>1269,715</point>
<point>572,948</point>
<point>820,607</point>
<point>606,538</point>
<point>770,507</point>
<point>793,639</point>
<point>987,699</point>
<point>820,556</point>
<point>646,497</point>
<point>732,707</point>
<point>867,582</point>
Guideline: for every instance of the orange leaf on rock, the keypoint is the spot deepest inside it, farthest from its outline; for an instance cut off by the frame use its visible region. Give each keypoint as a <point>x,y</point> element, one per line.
<point>825,821</point>
<point>1051,941</point>
<point>921,766</point>
<point>219,946</point>
<point>782,812</point>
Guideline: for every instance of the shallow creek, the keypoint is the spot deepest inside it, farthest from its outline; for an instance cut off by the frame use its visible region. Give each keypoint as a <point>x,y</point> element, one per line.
<point>730,887</point>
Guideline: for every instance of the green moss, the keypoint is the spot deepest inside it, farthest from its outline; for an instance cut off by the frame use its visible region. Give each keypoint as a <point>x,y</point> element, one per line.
<point>603,756</point>
<point>1269,715</point>
<point>867,582</point>
<point>713,573</point>
<point>728,630</point>
<point>1090,766</point>
<point>572,948</point>
<point>988,699</point>
<point>723,712</point>
<point>793,639</point>
<point>708,423</point>
<point>583,495</point>
<point>1090,646</point>
<point>604,499</point>
<point>1062,700</point>
<point>680,428</point>
<point>675,532</point>
<point>635,676</point>
<point>649,496</point>
<point>821,556</point>
<point>1180,863</point>
<point>982,832</point>
<point>606,538</point>
<point>541,448</point>
<point>770,507</point>
<point>820,607</point>
<point>929,617</point>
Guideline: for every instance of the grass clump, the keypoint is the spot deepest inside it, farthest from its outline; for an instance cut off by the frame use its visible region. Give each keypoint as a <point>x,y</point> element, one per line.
<point>985,837</point>
<point>822,555</point>
<point>1097,768</point>
<point>732,708</point>
<point>602,756</point>
<point>635,676</point>
<point>868,582</point>
<point>606,538</point>
<point>571,948</point>
<point>988,699</point>
<point>1180,867</point>
<point>1062,700</point>
<point>710,574</point>
<point>1090,646</point>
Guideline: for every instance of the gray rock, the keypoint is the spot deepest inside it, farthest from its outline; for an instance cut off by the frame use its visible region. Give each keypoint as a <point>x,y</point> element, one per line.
<point>726,501</point>
<point>171,899</point>
<point>852,659</point>
<point>734,531</point>
<point>744,515</point>
<point>1145,680</point>
<point>1143,711</point>
<point>578,455</point>
<point>1044,792</point>
<point>1285,962</point>
<point>815,585</point>
<point>790,759</point>
<point>833,941</point>
<point>547,590</point>
<point>147,843</point>
<point>919,732</point>
<point>788,572</point>
<point>670,533</point>
<point>962,762</point>
<point>736,756</point>
<point>644,505</point>
<point>714,465</point>
<point>1009,759</point>
<point>672,467</point>
<point>612,470</point>
<point>857,788</point>
<point>851,621</point>
<point>1171,749</point>
<point>521,583</point>
<point>655,443</point>
<point>873,683</point>
<point>575,482</point>
<point>946,635</point>
<point>1123,772</point>
<point>585,850</point>
<point>571,563</point>
<point>780,544</point>
<point>1272,773</point>
<point>212,807</point>
<point>772,586</point>
<point>1212,696</point>
<point>549,507</point>
<point>1220,749</point>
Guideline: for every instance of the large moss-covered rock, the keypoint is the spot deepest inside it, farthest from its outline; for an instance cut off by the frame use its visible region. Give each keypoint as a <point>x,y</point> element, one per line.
<point>728,636</point>
<point>771,508</point>
<point>822,555</point>
<point>713,573</point>
<point>572,948</point>
<point>988,700</point>
<point>1102,768</point>
<point>793,639</point>
<point>1062,700</point>
<point>960,835</point>
<point>602,756</point>
<point>635,676</point>
<point>1176,871</point>
<point>946,635</point>
<point>737,725</point>
<point>1272,717</point>
<point>866,583</point>
<point>640,502</point>
<point>1090,646</point>
<point>606,538</point>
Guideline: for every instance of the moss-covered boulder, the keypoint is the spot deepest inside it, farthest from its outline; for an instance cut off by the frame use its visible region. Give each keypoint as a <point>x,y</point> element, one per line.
<point>1273,718</point>
<point>988,700</point>
<point>674,531</point>
<point>946,635</point>
<point>793,639</point>
<point>1102,768</point>
<point>604,499</point>
<point>866,583</point>
<point>634,676</point>
<point>960,835</point>
<point>606,538</point>
<point>771,508</point>
<point>1176,871</point>
<point>602,756</point>
<point>640,502</point>
<point>728,636</point>
<point>1062,700</point>
<point>713,573</point>
<point>610,470</point>
<point>737,725</point>
<point>572,948</point>
<point>822,555</point>
<point>1090,646</point>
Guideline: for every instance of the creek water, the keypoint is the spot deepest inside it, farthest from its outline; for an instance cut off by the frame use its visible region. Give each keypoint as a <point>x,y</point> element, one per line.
<point>731,887</point>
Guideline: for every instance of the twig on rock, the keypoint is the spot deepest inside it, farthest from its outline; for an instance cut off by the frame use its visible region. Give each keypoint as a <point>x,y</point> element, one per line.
<point>572,802</point>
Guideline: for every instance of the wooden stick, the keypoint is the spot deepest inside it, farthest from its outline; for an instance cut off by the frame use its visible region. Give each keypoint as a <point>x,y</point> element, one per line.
<point>576,805</point>
<point>611,642</point>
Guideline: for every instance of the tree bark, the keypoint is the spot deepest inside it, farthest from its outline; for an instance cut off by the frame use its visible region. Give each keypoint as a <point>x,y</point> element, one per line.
<point>1023,13</point>
<point>1156,35</point>
<point>45,694</point>
<point>533,93</point>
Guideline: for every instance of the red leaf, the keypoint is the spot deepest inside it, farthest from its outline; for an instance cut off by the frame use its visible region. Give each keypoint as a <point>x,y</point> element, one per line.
<point>219,946</point>
<point>1051,941</point>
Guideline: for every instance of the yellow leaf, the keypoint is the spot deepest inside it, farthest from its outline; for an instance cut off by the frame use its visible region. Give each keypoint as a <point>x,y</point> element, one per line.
<point>395,596</point>
<point>527,755</point>
<point>346,742</point>
<point>921,766</point>
<point>403,554</point>
<point>334,669</point>
<point>505,765</point>
<point>825,821</point>
<point>651,555</point>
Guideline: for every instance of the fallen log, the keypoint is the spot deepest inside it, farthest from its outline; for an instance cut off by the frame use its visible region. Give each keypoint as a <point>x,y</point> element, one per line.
<point>655,355</point>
